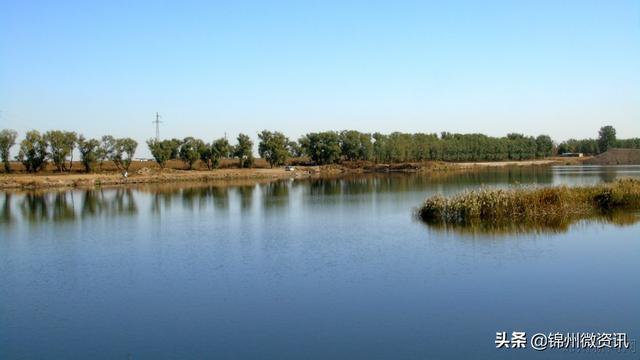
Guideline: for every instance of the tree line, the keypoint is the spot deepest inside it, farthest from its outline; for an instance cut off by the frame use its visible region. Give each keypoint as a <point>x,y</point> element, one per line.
<point>326,147</point>
<point>606,140</point>
<point>57,146</point>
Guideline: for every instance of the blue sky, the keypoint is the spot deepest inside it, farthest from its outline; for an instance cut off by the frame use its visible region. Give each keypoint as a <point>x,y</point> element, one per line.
<point>561,68</point>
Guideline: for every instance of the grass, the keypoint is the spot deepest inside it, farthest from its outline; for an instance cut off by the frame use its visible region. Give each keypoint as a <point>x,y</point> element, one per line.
<point>545,207</point>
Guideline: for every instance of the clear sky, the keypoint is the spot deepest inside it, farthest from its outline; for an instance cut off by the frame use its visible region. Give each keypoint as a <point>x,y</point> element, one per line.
<point>105,67</point>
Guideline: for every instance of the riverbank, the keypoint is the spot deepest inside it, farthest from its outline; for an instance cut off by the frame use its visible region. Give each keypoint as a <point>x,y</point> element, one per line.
<point>35,181</point>
<point>150,173</point>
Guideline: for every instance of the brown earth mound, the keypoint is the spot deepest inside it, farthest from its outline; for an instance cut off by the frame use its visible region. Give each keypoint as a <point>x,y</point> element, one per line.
<point>616,157</point>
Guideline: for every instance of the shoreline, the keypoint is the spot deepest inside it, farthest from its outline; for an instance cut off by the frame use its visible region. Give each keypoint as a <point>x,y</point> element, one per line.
<point>25,181</point>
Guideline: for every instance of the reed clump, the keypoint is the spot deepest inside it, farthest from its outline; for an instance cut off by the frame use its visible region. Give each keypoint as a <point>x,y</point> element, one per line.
<point>547,206</point>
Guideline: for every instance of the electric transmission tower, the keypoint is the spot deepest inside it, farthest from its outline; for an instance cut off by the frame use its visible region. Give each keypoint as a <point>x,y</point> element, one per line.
<point>157,122</point>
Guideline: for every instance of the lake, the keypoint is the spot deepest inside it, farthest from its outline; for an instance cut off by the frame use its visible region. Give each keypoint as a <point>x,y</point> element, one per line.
<point>304,269</point>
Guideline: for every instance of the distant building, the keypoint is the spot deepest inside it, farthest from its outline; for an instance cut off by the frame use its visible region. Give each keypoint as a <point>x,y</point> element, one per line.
<point>568,154</point>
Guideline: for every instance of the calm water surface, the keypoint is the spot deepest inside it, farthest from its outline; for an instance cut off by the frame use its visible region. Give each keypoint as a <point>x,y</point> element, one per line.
<point>302,269</point>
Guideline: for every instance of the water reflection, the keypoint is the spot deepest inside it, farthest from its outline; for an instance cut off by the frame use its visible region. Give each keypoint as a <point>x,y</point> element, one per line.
<point>61,206</point>
<point>246,196</point>
<point>619,218</point>
<point>275,194</point>
<point>5,211</point>
<point>386,192</point>
<point>591,174</point>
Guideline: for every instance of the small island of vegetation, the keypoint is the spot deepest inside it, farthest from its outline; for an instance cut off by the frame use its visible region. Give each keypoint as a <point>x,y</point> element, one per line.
<point>545,206</point>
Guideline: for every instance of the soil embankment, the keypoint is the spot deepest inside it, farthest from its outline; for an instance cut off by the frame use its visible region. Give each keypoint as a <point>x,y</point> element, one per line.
<point>144,172</point>
<point>616,157</point>
<point>143,176</point>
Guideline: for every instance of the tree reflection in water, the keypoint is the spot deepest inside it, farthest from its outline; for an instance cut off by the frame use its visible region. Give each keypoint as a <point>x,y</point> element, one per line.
<point>6,217</point>
<point>61,206</point>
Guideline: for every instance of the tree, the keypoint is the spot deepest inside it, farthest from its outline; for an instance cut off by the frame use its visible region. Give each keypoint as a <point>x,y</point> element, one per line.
<point>175,148</point>
<point>606,138</point>
<point>122,154</point>
<point>244,151</point>
<point>88,149</point>
<point>365,152</point>
<point>544,146</point>
<point>61,145</point>
<point>219,149</point>
<point>355,145</point>
<point>106,149</point>
<point>294,149</point>
<point>206,154</point>
<point>322,148</point>
<point>7,140</point>
<point>33,151</point>
<point>273,147</point>
<point>189,150</point>
<point>160,150</point>
<point>380,147</point>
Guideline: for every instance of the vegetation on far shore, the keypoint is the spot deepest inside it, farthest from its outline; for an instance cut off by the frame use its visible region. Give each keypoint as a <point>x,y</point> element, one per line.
<point>546,206</point>
<point>322,148</point>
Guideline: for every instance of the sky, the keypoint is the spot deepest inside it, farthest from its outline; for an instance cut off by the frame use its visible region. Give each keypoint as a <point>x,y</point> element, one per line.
<point>210,68</point>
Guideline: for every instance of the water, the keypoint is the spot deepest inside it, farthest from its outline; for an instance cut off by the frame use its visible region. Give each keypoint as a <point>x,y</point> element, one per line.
<point>321,269</point>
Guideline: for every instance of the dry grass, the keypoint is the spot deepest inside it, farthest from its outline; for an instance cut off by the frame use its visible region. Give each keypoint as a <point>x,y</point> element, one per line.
<point>549,206</point>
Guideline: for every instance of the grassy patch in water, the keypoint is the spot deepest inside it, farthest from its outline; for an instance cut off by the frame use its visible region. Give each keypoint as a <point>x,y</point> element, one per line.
<point>545,206</point>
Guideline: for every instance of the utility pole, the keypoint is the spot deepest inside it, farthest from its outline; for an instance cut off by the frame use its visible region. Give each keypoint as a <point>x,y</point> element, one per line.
<point>157,122</point>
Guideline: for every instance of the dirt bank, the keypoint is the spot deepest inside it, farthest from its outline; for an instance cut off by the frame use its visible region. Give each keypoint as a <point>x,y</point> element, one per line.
<point>542,162</point>
<point>141,174</point>
<point>616,157</point>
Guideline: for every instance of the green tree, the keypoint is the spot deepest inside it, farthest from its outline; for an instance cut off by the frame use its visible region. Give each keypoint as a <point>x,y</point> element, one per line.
<point>123,151</point>
<point>544,146</point>
<point>189,151</point>
<point>160,150</point>
<point>380,147</point>
<point>88,149</point>
<point>632,143</point>
<point>175,148</point>
<point>244,151</point>
<point>7,140</point>
<point>322,148</point>
<point>220,149</point>
<point>273,147</point>
<point>295,150</point>
<point>606,138</point>
<point>61,145</point>
<point>355,145</point>
<point>365,152</point>
<point>206,154</point>
<point>106,149</point>
<point>33,151</point>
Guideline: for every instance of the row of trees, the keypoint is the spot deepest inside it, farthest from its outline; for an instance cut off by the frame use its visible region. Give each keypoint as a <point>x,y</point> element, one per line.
<point>321,147</point>
<point>274,147</point>
<point>606,140</point>
<point>190,150</point>
<point>58,147</point>
<point>329,147</point>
